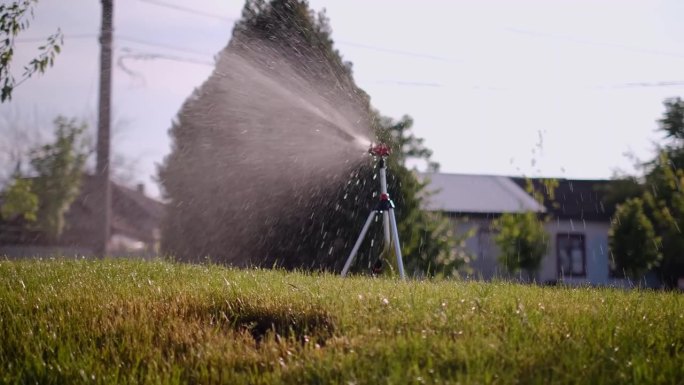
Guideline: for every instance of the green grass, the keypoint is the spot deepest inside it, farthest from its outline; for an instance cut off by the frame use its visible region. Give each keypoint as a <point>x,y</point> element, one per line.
<point>67,321</point>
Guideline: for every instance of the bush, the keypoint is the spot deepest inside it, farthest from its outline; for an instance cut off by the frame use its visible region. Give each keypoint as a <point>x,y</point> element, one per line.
<point>632,239</point>
<point>522,241</point>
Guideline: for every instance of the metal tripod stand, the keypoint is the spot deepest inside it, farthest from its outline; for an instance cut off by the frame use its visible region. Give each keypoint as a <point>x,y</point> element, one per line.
<point>385,207</point>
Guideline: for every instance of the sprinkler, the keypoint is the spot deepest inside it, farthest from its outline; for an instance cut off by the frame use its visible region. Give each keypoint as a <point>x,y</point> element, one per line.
<point>385,207</point>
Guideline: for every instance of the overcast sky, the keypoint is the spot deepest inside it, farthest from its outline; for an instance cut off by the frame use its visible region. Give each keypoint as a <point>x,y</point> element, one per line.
<point>538,88</point>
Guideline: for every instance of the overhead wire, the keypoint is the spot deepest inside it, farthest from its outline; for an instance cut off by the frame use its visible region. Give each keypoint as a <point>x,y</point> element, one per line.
<point>207,59</point>
<point>596,43</point>
<point>145,55</point>
<point>126,53</point>
<point>392,51</point>
<point>341,42</point>
<point>42,39</point>
<point>193,11</point>
<point>160,45</point>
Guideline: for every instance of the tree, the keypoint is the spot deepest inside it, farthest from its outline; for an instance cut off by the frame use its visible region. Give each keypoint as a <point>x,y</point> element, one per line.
<point>632,240</point>
<point>522,241</point>
<point>664,205</point>
<point>15,18</point>
<point>43,194</point>
<point>260,170</point>
<point>20,134</point>
<point>18,200</point>
<point>661,201</point>
<point>23,132</point>
<point>521,237</point>
<point>405,143</point>
<point>672,125</point>
<point>620,189</point>
<point>664,195</point>
<point>673,121</point>
<point>58,169</point>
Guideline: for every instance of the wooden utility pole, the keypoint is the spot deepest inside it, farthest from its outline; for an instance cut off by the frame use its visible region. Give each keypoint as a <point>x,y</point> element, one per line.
<point>104,192</point>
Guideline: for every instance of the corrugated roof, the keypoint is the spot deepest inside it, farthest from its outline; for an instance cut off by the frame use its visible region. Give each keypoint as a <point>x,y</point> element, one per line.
<point>577,198</point>
<point>477,194</point>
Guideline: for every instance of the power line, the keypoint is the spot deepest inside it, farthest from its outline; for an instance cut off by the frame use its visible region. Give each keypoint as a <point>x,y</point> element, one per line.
<point>670,83</point>
<point>122,38</point>
<point>160,45</point>
<point>392,51</point>
<point>130,54</point>
<point>579,40</point>
<point>341,42</point>
<point>42,39</point>
<point>406,83</point>
<point>494,88</point>
<point>188,10</point>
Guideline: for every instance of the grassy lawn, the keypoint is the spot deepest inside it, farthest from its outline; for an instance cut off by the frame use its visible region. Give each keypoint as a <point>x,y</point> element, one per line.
<point>118,321</point>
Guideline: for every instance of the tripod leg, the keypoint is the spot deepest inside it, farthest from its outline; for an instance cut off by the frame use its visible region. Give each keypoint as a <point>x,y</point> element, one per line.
<point>386,228</point>
<point>397,247</point>
<point>355,250</point>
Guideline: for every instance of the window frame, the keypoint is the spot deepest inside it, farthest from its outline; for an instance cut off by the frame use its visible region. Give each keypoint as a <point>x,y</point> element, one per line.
<point>583,242</point>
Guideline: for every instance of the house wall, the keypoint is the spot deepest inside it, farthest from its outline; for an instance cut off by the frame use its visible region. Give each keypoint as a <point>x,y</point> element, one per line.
<point>481,246</point>
<point>595,248</point>
<point>486,266</point>
<point>462,226</point>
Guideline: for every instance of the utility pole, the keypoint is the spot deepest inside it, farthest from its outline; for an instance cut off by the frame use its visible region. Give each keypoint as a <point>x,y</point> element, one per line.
<point>104,192</point>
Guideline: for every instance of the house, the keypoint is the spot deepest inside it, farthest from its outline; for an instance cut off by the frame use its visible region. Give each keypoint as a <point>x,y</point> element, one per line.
<point>135,226</point>
<point>578,224</point>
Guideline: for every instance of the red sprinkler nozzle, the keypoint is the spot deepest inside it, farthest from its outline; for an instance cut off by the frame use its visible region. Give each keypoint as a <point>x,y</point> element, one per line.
<point>379,149</point>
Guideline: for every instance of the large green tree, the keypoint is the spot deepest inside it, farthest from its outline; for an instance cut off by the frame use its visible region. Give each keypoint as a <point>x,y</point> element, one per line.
<point>44,194</point>
<point>662,203</point>
<point>521,237</point>
<point>15,17</point>
<point>19,200</point>
<point>672,123</point>
<point>522,241</point>
<point>664,197</point>
<point>58,169</point>
<point>632,240</point>
<point>263,169</point>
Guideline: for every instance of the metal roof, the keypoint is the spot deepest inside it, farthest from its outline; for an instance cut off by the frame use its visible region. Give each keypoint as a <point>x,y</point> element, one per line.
<point>477,194</point>
<point>578,198</point>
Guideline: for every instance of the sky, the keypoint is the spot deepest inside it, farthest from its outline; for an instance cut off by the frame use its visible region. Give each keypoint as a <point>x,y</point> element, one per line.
<point>533,87</point>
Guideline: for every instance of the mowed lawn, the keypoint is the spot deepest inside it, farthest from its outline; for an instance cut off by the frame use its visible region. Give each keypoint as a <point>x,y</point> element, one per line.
<point>121,321</point>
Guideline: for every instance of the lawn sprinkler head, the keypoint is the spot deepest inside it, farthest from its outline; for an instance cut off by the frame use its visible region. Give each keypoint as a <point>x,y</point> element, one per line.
<point>380,149</point>
<point>384,208</point>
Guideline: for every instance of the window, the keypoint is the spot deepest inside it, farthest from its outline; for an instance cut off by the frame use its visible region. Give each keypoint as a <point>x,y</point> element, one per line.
<point>571,255</point>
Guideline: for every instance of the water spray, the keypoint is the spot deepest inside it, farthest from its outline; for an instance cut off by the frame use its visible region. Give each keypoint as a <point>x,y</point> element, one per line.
<point>385,207</point>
